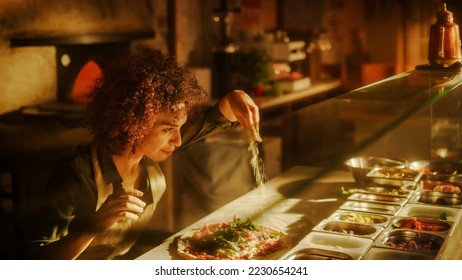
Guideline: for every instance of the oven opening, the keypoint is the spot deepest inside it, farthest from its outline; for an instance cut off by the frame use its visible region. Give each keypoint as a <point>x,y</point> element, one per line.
<point>84,81</point>
<point>79,65</point>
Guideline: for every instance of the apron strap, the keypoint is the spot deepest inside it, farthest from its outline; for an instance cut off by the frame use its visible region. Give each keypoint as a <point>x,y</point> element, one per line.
<point>103,189</point>
<point>157,182</point>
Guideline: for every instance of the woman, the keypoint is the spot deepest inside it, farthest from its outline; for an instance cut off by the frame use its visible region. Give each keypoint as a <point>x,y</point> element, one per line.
<point>140,112</point>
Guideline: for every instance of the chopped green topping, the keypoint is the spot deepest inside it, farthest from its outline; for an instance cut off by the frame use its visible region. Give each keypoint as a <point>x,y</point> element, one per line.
<point>228,237</point>
<point>443,216</point>
<point>349,191</point>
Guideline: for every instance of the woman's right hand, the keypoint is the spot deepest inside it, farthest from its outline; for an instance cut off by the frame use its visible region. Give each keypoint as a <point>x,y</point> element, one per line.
<point>239,106</point>
<point>120,205</point>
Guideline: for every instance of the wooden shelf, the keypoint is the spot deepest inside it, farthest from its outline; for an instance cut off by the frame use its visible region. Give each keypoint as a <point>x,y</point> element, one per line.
<point>272,106</point>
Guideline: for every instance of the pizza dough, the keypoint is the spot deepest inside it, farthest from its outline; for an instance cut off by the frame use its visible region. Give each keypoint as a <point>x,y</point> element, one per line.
<point>236,240</point>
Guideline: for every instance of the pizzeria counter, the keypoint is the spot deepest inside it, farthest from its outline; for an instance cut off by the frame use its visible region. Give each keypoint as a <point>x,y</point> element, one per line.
<point>415,115</point>
<point>270,206</point>
<point>287,203</point>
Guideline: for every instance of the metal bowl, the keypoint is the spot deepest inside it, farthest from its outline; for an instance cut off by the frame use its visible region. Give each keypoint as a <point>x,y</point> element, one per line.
<point>412,240</point>
<point>360,166</point>
<point>438,169</point>
<point>437,166</point>
<point>354,246</point>
<point>348,228</point>
<point>395,176</point>
<point>440,198</point>
<point>421,224</point>
<point>446,187</point>
<point>317,254</point>
<point>378,198</point>
<point>388,209</point>
<point>377,253</point>
<point>404,191</point>
<point>358,217</point>
<point>430,212</point>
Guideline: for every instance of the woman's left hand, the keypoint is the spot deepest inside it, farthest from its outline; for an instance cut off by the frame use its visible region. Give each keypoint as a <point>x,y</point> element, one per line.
<point>239,106</point>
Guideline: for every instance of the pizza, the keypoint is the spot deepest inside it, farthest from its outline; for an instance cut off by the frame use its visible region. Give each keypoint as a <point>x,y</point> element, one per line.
<point>240,239</point>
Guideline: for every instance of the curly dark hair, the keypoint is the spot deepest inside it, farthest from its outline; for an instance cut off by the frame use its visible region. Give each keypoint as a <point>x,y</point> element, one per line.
<point>127,99</point>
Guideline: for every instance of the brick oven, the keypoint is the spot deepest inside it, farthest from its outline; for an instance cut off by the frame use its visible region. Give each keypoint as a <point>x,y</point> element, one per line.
<point>80,59</point>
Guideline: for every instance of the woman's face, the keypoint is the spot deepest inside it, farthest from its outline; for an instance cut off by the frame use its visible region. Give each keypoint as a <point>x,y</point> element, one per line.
<point>165,135</point>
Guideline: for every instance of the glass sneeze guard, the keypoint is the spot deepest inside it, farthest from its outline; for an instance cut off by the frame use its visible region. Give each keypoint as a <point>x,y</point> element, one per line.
<point>325,134</point>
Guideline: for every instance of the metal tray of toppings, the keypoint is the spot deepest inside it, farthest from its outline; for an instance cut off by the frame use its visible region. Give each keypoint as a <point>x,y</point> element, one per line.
<point>441,186</point>
<point>430,212</point>
<point>348,228</point>
<point>379,208</point>
<point>422,224</point>
<point>411,240</point>
<point>403,191</point>
<point>379,198</point>
<point>353,246</point>
<point>437,198</point>
<point>438,169</point>
<point>394,176</point>
<point>361,217</point>
<point>317,254</point>
<point>380,253</point>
